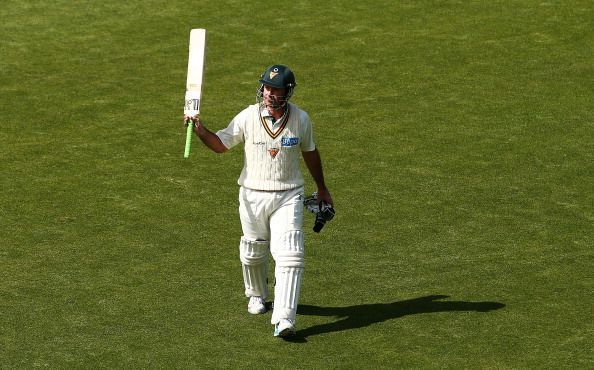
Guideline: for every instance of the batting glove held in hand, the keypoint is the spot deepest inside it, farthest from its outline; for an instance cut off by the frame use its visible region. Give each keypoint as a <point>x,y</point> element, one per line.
<point>324,212</point>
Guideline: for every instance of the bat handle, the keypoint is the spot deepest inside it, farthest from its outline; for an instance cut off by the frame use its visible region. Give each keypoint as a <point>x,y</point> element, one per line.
<point>188,139</point>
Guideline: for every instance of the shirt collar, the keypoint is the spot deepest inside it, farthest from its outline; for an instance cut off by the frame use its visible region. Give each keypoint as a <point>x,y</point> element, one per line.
<point>264,112</point>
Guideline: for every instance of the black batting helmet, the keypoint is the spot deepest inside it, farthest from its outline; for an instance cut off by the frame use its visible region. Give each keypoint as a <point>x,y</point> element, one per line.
<point>279,76</point>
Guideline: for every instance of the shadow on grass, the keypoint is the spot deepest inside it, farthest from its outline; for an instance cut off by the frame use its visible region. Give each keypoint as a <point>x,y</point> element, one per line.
<point>353,317</point>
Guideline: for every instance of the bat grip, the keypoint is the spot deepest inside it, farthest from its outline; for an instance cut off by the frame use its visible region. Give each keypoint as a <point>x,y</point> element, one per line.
<point>188,139</point>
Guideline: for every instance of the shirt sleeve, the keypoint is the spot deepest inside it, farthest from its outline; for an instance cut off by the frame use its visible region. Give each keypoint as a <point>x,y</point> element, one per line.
<point>233,134</point>
<point>307,140</point>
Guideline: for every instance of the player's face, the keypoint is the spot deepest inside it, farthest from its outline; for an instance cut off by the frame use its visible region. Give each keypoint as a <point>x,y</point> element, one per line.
<point>274,97</point>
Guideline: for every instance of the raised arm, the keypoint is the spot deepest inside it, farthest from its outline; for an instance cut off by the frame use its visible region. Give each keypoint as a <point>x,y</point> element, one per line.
<point>210,139</point>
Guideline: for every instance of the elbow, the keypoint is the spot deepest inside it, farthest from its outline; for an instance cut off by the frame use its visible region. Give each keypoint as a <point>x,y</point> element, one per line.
<point>220,149</point>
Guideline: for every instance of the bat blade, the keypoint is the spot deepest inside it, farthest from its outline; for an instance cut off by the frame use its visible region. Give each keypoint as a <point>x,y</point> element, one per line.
<point>196,58</point>
<point>193,97</point>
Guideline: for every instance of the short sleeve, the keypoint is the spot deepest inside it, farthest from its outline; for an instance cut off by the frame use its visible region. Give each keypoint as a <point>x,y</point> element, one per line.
<point>233,134</point>
<point>307,139</point>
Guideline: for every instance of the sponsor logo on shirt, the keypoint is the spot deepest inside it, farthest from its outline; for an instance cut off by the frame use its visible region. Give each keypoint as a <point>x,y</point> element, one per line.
<point>289,141</point>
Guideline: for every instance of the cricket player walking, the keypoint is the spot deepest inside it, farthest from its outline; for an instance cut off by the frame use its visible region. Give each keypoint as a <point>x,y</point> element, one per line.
<point>275,133</point>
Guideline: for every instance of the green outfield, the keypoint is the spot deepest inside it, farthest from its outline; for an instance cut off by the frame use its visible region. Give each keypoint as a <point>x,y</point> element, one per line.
<point>458,143</point>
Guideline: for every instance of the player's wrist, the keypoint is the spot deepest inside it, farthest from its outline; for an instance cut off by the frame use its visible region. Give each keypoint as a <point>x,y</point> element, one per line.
<point>321,185</point>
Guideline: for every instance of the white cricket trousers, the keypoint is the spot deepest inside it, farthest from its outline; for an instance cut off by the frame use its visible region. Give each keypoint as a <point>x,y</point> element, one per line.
<point>272,222</point>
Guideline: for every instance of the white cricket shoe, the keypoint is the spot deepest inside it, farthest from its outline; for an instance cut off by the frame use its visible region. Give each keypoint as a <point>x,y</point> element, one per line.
<point>284,329</point>
<point>256,305</point>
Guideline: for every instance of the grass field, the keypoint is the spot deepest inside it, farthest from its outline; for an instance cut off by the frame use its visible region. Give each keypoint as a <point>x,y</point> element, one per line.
<point>458,143</point>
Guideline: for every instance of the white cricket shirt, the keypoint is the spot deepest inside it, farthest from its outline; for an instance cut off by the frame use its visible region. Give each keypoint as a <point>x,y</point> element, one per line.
<point>272,151</point>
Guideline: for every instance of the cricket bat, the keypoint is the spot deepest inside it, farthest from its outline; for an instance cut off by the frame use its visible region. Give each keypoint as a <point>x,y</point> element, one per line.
<point>194,80</point>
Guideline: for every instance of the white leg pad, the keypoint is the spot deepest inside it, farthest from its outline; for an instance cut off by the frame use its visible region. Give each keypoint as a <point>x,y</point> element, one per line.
<point>289,257</point>
<point>254,263</point>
